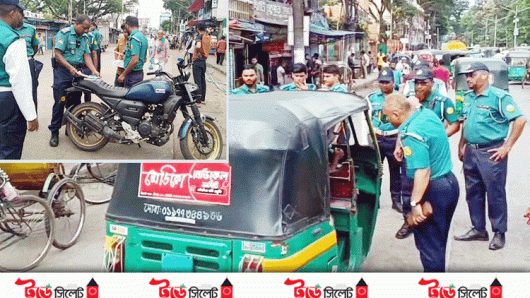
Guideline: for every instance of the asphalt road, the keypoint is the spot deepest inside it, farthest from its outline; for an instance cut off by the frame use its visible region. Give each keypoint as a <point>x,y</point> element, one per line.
<point>389,254</point>
<point>36,145</point>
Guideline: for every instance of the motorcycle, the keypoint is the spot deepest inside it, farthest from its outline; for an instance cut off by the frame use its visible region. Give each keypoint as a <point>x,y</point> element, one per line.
<point>145,112</point>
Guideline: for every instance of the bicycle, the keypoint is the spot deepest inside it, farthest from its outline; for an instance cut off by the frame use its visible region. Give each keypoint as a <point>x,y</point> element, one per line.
<point>27,229</point>
<point>89,174</point>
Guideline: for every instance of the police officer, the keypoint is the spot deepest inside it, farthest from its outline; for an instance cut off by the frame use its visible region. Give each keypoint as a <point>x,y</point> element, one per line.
<point>331,79</point>
<point>429,98</point>
<point>250,82</point>
<point>484,148</point>
<point>409,87</point>
<point>96,46</point>
<point>135,53</point>
<point>428,159</point>
<point>299,75</point>
<point>387,136</point>
<point>73,56</point>
<point>29,34</point>
<point>16,99</point>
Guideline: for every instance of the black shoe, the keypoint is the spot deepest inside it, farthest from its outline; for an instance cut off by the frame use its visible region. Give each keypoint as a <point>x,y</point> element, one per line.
<point>397,206</point>
<point>473,235</point>
<point>498,241</point>
<point>404,231</point>
<point>54,140</point>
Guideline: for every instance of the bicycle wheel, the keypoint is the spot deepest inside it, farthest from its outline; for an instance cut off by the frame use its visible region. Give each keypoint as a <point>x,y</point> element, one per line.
<point>103,172</point>
<point>68,204</point>
<point>27,233</point>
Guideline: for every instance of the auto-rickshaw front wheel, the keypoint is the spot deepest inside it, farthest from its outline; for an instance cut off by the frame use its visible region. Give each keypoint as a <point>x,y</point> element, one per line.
<point>68,204</point>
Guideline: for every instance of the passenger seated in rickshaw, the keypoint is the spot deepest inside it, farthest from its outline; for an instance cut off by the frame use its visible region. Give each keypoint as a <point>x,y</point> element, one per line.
<point>331,79</point>
<point>250,82</point>
<point>299,76</point>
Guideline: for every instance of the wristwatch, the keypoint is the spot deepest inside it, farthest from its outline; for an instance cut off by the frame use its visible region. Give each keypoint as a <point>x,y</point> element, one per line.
<point>413,203</point>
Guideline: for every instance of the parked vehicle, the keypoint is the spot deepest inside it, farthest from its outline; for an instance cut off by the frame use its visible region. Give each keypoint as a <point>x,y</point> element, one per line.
<point>285,202</point>
<point>517,62</point>
<point>144,112</point>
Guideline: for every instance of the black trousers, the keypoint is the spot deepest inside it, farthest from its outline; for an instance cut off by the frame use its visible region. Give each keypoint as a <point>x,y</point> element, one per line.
<point>13,127</point>
<point>199,76</point>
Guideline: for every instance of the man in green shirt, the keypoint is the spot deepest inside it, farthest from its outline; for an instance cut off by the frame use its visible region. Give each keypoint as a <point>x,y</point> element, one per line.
<point>299,76</point>
<point>428,159</point>
<point>72,54</point>
<point>331,79</point>
<point>250,82</point>
<point>135,54</point>
<point>96,45</point>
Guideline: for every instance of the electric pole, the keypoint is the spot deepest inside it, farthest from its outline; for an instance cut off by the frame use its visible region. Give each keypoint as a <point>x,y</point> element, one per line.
<point>298,30</point>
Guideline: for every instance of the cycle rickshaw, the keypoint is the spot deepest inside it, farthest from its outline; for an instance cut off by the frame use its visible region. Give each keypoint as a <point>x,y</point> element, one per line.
<point>30,224</point>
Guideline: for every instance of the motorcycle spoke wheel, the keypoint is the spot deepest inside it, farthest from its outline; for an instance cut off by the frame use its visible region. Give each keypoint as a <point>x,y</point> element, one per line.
<point>87,140</point>
<point>192,148</point>
<point>68,204</point>
<point>24,237</point>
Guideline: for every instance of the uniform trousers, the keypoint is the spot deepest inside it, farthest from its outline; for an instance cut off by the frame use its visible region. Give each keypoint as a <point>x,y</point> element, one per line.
<point>386,149</point>
<point>199,76</point>
<point>133,78</point>
<point>431,235</point>
<point>485,176</point>
<point>35,68</point>
<point>13,127</point>
<point>62,79</point>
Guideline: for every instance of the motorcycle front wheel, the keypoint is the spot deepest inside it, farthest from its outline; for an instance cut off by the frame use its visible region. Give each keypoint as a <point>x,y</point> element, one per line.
<point>193,148</point>
<point>87,140</point>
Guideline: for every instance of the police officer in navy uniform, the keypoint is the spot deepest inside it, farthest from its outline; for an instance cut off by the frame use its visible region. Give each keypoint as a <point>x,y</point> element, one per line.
<point>428,159</point>
<point>29,34</point>
<point>387,136</point>
<point>484,147</point>
<point>17,111</point>
<point>72,54</point>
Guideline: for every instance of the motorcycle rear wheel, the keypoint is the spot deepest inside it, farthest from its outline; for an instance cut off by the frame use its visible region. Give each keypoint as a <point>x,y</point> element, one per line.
<point>88,140</point>
<point>193,149</point>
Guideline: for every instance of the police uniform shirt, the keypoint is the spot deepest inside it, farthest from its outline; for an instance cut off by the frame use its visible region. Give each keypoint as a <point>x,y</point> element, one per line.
<point>442,106</point>
<point>73,46</point>
<point>293,87</point>
<point>339,88</point>
<point>136,45</point>
<point>96,42</point>
<point>425,144</point>
<point>379,120</point>
<point>246,90</point>
<point>487,116</point>
<point>29,34</point>
<point>91,38</point>
<point>15,75</point>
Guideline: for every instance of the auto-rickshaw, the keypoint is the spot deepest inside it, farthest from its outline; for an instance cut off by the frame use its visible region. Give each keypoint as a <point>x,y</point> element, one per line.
<point>517,62</point>
<point>300,193</point>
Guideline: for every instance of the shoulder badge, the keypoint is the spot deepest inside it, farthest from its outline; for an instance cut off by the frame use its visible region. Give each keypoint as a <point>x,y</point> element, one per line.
<point>510,108</point>
<point>407,152</point>
<point>450,110</point>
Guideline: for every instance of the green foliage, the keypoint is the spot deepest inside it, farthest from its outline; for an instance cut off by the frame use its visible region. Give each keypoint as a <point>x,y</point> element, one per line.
<point>166,26</point>
<point>179,8</point>
<point>93,8</point>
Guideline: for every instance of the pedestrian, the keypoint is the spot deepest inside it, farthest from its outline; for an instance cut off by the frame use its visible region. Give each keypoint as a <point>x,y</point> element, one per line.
<point>299,75</point>
<point>29,34</point>
<point>351,65</point>
<point>221,50</point>
<point>250,82</point>
<point>42,44</point>
<point>387,136</point>
<point>398,76</point>
<point>190,49</point>
<point>161,49</point>
<point>259,70</point>
<point>365,63</point>
<point>281,73</point>
<point>72,55</point>
<point>331,79</point>
<point>441,72</point>
<point>150,44</point>
<point>380,61</point>
<point>373,62</point>
<point>428,159</point>
<point>119,54</point>
<point>96,45</point>
<point>484,148</point>
<point>135,54</point>
<point>200,55</point>
<point>18,110</point>
<point>316,69</point>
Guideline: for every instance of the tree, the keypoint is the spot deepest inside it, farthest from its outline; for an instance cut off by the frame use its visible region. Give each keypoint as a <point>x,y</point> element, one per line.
<point>166,26</point>
<point>179,9</point>
<point>93,8</point>
<point>377,10</point>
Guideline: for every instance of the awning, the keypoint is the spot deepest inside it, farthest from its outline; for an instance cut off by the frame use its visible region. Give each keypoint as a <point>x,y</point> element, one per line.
<point>332,33</point>
<point>246,26</point>
<point>196,6</point>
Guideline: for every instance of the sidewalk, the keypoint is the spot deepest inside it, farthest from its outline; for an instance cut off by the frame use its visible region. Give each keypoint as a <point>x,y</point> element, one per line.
<point>361,84</point>
<point>212,63</point>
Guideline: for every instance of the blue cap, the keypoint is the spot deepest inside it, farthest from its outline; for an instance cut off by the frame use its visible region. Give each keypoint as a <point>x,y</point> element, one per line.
<point>12,2</point>
<point>423,74</point>
<point>386,75</point>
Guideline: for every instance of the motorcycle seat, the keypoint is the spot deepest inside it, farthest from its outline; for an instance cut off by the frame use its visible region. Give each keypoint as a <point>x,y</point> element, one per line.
<point>101,88</point>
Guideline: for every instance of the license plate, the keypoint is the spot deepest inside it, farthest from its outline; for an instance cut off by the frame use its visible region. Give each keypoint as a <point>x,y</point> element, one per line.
<point>177,263</point>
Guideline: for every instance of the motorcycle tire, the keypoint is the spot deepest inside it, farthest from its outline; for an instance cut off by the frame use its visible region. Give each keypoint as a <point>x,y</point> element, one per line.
<point>192,148</point>
<point>91,140</point>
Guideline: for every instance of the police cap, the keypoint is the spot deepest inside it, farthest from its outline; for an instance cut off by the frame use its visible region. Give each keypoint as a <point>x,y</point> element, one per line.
<point>420,64</point>
<point>423,74</point>
<point>386,75</point>
<point>12,2</point>
<point>472,67</point>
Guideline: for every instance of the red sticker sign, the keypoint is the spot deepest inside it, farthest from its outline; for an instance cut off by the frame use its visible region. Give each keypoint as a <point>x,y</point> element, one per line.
<point>208,183</point>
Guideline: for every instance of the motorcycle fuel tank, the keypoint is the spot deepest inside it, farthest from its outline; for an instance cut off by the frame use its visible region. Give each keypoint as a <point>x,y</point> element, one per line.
<point>150,91</point>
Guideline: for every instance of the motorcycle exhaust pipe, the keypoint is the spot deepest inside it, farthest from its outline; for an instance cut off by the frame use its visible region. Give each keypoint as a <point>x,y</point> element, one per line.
<point>94,124</point>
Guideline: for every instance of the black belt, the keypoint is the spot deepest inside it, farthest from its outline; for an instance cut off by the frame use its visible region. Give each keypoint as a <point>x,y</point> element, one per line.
<point>136,71</point>
<point>487,145</point>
